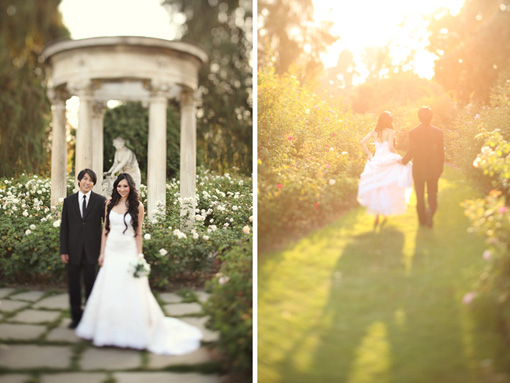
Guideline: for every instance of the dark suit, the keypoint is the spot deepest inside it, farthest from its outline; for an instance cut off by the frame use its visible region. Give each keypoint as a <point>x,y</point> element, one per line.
<point>426,148</point>
<point>80,238</point>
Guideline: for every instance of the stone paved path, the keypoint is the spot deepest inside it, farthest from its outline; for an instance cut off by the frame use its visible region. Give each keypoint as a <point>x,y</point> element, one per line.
<point>37,347</point>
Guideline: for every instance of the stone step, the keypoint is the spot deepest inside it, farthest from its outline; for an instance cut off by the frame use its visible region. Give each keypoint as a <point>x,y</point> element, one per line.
<point>30,296</point>
<point>164,377</point>
<point>17,356</point>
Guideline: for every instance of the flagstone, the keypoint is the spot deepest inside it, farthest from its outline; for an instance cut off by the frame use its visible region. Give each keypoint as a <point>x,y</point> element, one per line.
<point>77,377</point>
<point>4,291</point>
<point>202,296</point>
<point>207,335</point>
<point>31,356</point>
<point>35,316</point>
<point>164,377</point>
<point>110,359</point>
<point>28,296</point>
<point>20,331</point>
<point>170,297</point>
<point>199,356</point>
<point>13,378</point>
<point>60,302</point>
<point>178,309</point>
<point>7,305</point>
<point>61,334</point>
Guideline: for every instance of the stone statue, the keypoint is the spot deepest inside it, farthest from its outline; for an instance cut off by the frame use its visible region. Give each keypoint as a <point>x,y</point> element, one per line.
<point>124,162</point>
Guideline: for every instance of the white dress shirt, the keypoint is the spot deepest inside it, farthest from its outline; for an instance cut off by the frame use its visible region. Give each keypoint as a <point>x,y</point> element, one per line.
<point>80,200</point>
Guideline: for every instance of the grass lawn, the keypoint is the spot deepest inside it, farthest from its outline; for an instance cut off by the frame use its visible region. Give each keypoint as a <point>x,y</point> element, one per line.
<point>351,304</point>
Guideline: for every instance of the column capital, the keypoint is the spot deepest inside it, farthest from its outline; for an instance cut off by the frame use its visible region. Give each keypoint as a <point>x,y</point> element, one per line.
<point>189,97</point>
<point>98,108</point>
<point>81,88</point>
<point>57,95</point>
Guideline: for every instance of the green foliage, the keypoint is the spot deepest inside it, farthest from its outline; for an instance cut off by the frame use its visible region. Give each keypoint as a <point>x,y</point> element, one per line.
<point>224,30</point>
<point>131,122</point>
<point>29,231</point>
<point>24,109</point>
<point>472,48</point>
<point>230,307</point>
<point>309,157</point>
<point>472,125</point>
<point>490,217</point>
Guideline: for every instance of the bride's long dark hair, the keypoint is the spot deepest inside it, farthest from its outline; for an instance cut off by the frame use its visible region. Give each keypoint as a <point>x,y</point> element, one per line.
<point>132,202</point>
<point>385,121</point>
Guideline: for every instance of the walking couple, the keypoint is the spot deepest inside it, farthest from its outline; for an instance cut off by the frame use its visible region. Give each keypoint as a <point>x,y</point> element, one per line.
<point>120,308</point>
<point>386,181</point>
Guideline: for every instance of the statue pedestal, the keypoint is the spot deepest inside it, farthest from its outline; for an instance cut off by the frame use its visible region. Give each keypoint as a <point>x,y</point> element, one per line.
<point>107,185</point>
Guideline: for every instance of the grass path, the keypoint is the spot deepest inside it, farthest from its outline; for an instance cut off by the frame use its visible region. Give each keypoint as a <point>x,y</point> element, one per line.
<point>348,304</point>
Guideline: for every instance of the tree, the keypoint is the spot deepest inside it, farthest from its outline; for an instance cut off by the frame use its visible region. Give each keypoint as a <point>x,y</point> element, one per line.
<point>472,47</point>
<point>288,36</point>
<point>25,28</point>
<point>223,30</point>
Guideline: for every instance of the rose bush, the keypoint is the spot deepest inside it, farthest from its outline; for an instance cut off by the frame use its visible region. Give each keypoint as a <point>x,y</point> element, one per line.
<point>309,157</point>
<point>490,216</point>
<point>29,229</point>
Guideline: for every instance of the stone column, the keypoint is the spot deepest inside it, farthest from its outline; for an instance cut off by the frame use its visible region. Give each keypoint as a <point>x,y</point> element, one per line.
<point>188,162</point>
<point>156,158</point>
<point>98,110</point>
<point>58,147</point>
<point>84,131</point>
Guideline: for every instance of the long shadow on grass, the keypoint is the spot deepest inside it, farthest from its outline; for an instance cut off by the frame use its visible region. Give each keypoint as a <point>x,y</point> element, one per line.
<point>380,323</point>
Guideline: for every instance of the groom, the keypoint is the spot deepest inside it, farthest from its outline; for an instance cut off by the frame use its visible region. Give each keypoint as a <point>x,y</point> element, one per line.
<point>80,239</point>
<point>426,146</point>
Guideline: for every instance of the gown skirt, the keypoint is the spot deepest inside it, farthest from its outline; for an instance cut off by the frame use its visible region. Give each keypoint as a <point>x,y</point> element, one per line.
<point>385,185</point>
<point>122,311</point>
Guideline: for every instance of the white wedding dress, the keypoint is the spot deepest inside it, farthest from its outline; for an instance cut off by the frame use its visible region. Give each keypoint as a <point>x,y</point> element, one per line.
<point>385,185</point>
<point>122,311</point>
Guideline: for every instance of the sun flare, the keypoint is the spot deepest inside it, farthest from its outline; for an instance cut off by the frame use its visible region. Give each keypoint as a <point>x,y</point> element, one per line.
<point>399,25</point>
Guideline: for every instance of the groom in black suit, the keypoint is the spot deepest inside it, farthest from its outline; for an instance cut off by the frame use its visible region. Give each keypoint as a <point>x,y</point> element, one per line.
<point>426,147</point>
<point>80,239</point>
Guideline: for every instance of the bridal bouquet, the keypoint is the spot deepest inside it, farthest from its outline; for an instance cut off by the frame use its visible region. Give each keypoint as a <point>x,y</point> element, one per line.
<point>140,268</point>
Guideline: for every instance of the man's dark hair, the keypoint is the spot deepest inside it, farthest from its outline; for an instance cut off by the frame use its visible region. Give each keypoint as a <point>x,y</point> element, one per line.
<point>91,174</point>
<point>425,115</point>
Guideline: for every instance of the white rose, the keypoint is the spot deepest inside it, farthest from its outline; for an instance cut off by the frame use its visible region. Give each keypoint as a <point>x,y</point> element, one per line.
<point>195,235</point>
<point>27,232</point>
<point>246,230</point>
<point>332,181</point>
<point>32,227</point>
<point>205,237</point>
<point>147,236</point>
<point>56,223</point>
<point>163,252</point>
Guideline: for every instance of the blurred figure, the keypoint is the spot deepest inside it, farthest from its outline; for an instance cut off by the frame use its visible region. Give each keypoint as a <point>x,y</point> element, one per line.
<point>385,184</point>
<point>426,149</point>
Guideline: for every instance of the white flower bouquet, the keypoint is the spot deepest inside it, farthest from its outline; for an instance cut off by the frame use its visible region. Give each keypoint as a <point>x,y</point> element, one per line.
<point>139,267</point>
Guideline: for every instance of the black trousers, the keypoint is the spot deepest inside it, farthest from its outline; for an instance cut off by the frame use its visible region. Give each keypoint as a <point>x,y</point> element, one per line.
<point>74,283</point>
<point>421,208</point>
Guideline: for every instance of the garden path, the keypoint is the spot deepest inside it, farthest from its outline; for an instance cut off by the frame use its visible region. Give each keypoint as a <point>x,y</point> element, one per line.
<point>350,304</point>
<point>37,347</point>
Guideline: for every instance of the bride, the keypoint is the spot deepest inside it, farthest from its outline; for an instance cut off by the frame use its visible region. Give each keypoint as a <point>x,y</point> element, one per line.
<point>121,310</point>
<point>385,184</point>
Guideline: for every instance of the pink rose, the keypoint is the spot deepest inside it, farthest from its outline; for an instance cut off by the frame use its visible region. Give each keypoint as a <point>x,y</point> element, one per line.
<point>502,209</point>
<point>279,186</point>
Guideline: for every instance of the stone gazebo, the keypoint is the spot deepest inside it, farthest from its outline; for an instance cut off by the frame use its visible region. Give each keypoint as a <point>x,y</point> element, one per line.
<point>124,68</point>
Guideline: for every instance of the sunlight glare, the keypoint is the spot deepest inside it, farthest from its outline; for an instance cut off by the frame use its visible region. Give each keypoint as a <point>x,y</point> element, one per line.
<point>398,24</point>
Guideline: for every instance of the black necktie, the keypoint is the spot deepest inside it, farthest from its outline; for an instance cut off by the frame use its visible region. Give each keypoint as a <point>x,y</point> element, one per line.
<point>84,206</point>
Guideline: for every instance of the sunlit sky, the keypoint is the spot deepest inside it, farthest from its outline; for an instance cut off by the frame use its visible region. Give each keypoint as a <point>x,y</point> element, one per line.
<point>94,18</point>
<point>401,24</point>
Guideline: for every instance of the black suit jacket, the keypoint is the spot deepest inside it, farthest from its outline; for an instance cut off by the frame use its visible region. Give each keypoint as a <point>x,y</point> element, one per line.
<point>82,235</point>
<point>426,146</point>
